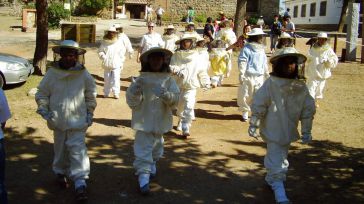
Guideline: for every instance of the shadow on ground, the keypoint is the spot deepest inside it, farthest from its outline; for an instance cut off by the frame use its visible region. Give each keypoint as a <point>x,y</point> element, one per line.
<point>323,172</point>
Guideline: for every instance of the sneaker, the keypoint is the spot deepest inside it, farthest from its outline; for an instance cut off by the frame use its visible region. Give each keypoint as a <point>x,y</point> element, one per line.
<point>63,181</point>
<point>185,130</point>
<point>144,183</point>
<point>106,95</point>
<point>179,126</point>
<point>81,194</point>
<point>116,96</point>
<point>245,116</point>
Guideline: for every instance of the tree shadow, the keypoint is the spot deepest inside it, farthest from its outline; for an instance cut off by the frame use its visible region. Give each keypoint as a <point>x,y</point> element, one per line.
<point>215,115</point>
<point>113,122</point>
<point>321,172</point>
<point>220,103</point>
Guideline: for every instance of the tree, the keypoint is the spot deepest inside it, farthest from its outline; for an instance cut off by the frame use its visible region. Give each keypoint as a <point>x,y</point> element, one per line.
<point>41,48</point>
<point>240,17</point>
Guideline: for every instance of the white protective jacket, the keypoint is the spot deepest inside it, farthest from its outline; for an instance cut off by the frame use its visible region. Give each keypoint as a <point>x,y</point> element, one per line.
<point>170,42</point>
<point>127,44</point>
<point>205,57</point>
<point>320,62</point>
<point>69,95</point>
<point>151,113</point>
<point>278,106</point>
<point>190,69</point>
<point>227,35</point>
<point>112,54</point>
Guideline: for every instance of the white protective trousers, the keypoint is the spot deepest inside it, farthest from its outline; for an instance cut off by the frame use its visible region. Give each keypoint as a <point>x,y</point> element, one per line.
<point>148,149</point>
<point>186,105</point>
<point>246,91</point>
<point>112,81</point>
<point>217,80</point>
<point>276,163</point>
<point>229,64</point>
<point>316,88</point>
<point>70,154</point>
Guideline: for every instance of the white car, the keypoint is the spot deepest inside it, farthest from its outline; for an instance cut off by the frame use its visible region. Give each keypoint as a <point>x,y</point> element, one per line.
<point>14,69</point>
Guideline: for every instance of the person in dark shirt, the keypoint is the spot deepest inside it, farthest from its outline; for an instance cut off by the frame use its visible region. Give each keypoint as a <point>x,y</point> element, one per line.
<point>208,31</point>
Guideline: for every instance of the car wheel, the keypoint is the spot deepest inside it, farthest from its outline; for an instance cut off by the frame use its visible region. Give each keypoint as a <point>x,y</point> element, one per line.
<point>2,80</point>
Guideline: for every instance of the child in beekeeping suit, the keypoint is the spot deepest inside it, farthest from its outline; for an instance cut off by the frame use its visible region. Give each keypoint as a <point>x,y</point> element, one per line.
<point>285,40</point>
<point>202,51</point>
<point>66,99</point>
<point>170,39</point>
<point>253,70</point>
<point>321,59</point>
<point>191,30</point>
<point>124,40</point>
<point>219,59</point>
<point>277,107</point>
<point>227,35</point>
<point>112,53</point>
<point>191,74</point>
<point>151,96</point>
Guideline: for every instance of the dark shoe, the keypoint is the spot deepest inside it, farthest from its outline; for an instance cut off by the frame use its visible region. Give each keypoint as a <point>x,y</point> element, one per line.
<point>63,181</point>
<point>81,194</point>
<point>145,190</point>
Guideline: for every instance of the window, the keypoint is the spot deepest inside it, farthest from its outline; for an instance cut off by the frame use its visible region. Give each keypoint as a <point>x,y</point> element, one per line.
<point>303,10</point>
<point>252,6</point>
<point>323,8</point>
<point>295,12</point>
<point>313,10</point>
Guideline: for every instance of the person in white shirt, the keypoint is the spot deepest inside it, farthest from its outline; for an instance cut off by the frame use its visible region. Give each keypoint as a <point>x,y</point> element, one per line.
<point>149,10</point>
<point>278,106</point>
<point>159,13</point>
<point>149,40</point>
<point>170,39</point>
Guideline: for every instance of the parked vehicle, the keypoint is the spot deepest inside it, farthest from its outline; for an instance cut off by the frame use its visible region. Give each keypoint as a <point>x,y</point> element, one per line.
<point>14,69</point>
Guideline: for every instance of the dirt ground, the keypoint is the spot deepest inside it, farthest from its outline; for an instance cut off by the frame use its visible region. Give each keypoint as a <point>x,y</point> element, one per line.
<point>219,163</point>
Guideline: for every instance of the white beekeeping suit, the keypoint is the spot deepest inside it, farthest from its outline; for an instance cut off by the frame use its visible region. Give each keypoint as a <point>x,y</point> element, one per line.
<point>277,108</point>
<point>321,59</point>
<point>191,74</point>
<point>112,53</point>
<point>124,40</point>
<point>152,96</point>
<point>219,59</point>
<point>170,40</point>
<point>253,69</point>
<point>67,99</point>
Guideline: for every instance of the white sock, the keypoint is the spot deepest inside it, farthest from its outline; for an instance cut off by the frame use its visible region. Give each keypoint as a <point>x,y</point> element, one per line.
<point>279,191</point>
<point>143,179</point>
<point>245,115</point>
<point>79,183</point>
<point>153,168</point>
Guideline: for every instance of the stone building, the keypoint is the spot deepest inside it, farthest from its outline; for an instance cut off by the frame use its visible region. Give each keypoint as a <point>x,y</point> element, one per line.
<point>177,9</point>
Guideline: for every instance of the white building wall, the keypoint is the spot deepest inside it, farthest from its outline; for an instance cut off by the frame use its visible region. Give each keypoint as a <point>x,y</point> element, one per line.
<point>333,11</point>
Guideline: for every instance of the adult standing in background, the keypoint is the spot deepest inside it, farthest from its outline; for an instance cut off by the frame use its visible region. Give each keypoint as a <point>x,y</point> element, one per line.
<point>190,14</point>
<point>159,13</point>
<point>149,40</point>
<point>289,26</point>
<point>275,32</point>
<point>286,14</point>
<point>149,13</point>
<point>208,31</point>
<point>222,16</point>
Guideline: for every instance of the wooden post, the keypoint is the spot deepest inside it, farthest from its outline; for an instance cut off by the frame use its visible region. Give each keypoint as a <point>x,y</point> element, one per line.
<point>78,33</point>
<point>335,43</point>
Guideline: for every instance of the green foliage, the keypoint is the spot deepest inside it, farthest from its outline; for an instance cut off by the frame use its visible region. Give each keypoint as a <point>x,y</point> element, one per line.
<point>30,5</point>
<point>56,13</point>
<point>201,18</point>
<point>253,20</point>
<point>91,7</point>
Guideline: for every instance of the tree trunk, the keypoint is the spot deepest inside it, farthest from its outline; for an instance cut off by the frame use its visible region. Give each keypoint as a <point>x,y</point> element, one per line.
<point>341,24</point>
<point>239,17</point>
<point>41,48</point>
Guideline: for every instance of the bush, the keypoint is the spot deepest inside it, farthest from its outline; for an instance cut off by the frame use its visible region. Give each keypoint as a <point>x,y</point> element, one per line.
<point>201,18</point>
<point>56,13</point>
<point>253,20</point>
<point>91,7</point>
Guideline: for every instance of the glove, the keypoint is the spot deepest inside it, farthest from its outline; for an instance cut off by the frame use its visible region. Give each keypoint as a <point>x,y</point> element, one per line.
<point>180,74</point>
<point>306,138</point>
<point>136,88</point>
<point>159,91</point>
<point>46,115</point>
<point>89,118</point>
<point>206,87</point>
<point>252,131</point>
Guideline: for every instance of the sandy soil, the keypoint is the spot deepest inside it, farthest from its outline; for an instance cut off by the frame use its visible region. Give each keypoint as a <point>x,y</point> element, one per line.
<point>219,163</point>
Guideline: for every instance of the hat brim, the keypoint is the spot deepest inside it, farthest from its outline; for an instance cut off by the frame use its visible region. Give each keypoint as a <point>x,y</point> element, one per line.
<point>57,49</point>
<point>189,38</point>
<point>144,57</point>
<point>300,57</point>
<point>254,34</point>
